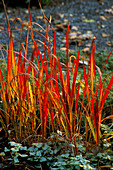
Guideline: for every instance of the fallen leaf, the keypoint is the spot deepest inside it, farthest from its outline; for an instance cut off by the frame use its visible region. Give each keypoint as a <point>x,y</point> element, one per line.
<point>9,11</point>
<point>64,41</point>
<point>85,62</point>
<point>86,50</point>
<point>90,20</point>
<point>26,11</point>
<point>75,38</point>
<point>83,17</point>
<point>1,28</point>
<point>63,49</point>
<point>109,11</point>
<point>103,18</point>
<point>39,17</point>
<point>88,45</point>
<point>73,35</point>
<point>105,35</point>
<point>84,58</point>
<point>97,11</point>
<point>109,43</point>
<point>71,15</point>
<point>11,19</point>
<point>25,22</point>
<point>79,43</point>
<point>86,36</point>
<point>100,25</point>
<point>66,21</point>
<point>61,15</point>
<point>74,28</point>
<point>60,27</point>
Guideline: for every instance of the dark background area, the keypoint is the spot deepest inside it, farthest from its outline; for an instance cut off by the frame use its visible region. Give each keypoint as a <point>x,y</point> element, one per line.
<point>99,22</point>
<point>24,3</point>
<point>19,3</point>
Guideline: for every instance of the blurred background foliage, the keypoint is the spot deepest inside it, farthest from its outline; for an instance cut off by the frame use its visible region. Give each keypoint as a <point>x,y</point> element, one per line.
<point>24,3</point>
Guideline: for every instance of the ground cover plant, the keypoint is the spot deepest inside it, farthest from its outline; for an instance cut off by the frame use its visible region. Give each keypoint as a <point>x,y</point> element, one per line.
<point>49,109</point>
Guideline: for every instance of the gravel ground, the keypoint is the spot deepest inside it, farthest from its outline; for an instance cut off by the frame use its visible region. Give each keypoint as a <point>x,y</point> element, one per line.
<point>87,19</point>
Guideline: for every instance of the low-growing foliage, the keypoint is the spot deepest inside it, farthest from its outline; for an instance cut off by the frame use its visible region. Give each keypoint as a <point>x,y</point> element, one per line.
<point>57,153</point>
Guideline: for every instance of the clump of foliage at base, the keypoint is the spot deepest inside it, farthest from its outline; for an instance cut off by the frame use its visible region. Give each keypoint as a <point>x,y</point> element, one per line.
<point>57,153</point>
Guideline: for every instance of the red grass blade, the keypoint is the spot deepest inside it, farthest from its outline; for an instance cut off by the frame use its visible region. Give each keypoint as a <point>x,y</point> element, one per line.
<point>61,78</point>
<point>67,64</point>
<point>54,45</point>
<point>94,119</point>
<point>100,87</point>
<point>32,59</point>
<point>75,74</point>
<point>76,102</point>
<point>92,67</point>
<point>45,112</point>
<point>107,61</point>
<point>107,91</point>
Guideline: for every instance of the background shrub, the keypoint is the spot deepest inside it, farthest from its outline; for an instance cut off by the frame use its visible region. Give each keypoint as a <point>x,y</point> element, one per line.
<point>24,3</point>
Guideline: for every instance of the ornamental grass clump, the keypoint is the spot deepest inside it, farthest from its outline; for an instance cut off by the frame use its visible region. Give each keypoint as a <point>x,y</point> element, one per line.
<point>39,100</point>
<point>96,96</point>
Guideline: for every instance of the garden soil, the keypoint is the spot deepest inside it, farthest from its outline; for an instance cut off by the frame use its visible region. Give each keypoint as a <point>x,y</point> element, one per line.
<point>87,18</point>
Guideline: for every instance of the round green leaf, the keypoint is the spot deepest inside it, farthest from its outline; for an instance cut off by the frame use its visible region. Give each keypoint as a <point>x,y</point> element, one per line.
<point>43,159</point>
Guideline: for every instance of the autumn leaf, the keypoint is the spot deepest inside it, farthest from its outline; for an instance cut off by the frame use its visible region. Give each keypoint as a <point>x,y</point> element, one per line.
<point>79,43</point>
<point>11,19</point>
<point>39,17</point>
<point>103,18</point>
<point>61,26</point>
<point>105,35</point>
<point>90,20</point>
<point>88,45</point>
<point>86,36</point>
<point>63,49</point>
<point>61,15</point>
<point>85,50</point>
<point>109,43</point>
<point>75,28</point>
<point>1,28</point>
<point>66,21</point>
<point>73,35</point>
<point>109,11</point>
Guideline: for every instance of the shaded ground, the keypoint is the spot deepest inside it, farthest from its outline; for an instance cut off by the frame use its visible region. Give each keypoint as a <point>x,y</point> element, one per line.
<point>87,19</point>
